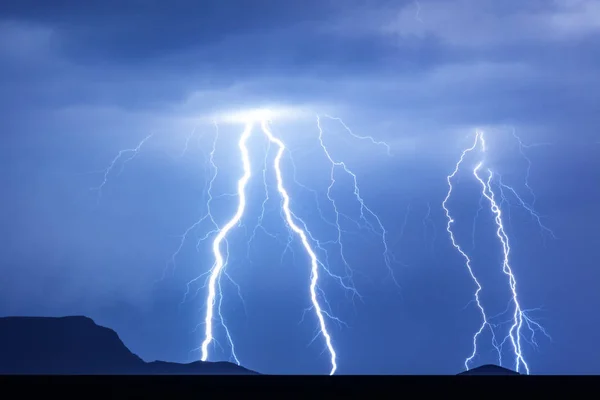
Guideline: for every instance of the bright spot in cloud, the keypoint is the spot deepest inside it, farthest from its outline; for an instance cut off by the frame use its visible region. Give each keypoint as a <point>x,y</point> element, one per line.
<point>259,114</point>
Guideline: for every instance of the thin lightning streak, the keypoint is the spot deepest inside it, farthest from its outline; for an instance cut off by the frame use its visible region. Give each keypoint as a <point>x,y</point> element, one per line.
<point>134,152</point>
<point>427,221</point>
<point>405,221</point>
<point>219,265</point>
<point>338,241</point>
<point>522,203</point>
<point>369,138</point>
<point>363,207</point>
<point>313,257</point>
<point>207,215</point>
<point>518,316</point>
<point>316,196</point>
<point>337,223</point>
<point>485,321</point>
<point>522,148</point>
<point>186,146</point>
<point>531,325</point>
<point>261,217</point>
<point>479,209</point>
<point>325,265</point>
<point>338,214</point>
<point>319,245</point>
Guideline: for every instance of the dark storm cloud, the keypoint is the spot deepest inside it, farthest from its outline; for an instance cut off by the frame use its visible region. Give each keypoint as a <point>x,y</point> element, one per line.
<point>132,31</point>
<point>241,38</point>
<point>157,54</point>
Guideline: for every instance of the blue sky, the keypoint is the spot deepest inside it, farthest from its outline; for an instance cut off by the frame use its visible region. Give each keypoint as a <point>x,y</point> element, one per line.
<point>83,80</point>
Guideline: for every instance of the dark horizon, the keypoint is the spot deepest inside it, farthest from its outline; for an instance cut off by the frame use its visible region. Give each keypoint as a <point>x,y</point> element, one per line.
<point>77,345</point>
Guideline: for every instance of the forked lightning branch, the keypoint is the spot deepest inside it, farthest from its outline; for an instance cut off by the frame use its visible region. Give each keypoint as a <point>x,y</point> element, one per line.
<point>257,122</point>
<point>519,320</point>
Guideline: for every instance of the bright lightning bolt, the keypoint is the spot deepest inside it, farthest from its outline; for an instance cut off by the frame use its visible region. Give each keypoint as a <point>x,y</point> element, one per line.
<point>313,257</point>
<point>520,316</point>
<point>515,329</point>
<point>520,319</point>
<point>297,228</point>
<point>219,265</point>
<point>485,321</point>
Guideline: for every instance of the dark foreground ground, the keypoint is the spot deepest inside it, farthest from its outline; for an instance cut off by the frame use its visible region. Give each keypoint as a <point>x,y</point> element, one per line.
<point>76,345</point>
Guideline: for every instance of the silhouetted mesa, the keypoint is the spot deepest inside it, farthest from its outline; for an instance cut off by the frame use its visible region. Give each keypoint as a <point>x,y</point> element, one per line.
<point>76,345</point>
<point>489,369</point>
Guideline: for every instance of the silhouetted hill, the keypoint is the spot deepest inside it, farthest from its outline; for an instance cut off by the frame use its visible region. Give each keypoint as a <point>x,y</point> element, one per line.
<point>76,345</point>
<point>489,370</point>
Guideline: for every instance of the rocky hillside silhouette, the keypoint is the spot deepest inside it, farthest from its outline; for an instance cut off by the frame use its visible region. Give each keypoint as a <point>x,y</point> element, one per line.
<point>76,345</point>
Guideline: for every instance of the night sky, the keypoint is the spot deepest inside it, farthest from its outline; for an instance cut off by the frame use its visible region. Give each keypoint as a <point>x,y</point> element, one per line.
<point>83,80</point>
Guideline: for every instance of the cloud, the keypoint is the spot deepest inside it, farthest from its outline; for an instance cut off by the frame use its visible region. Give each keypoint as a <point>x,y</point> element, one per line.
<point>345,66</point>
<point>24,42</point>
<point>479,23</point>
<point>79,86</point>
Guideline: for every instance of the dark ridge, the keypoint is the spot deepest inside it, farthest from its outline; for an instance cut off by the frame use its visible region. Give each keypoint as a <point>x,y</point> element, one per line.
<point>76,345</point>
<point>489,369</point>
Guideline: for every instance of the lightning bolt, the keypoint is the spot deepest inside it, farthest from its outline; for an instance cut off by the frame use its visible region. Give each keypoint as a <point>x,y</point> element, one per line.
<point>485,321</point>
<point>365,211</point>
<point>528,207</point>
<point>208,214</point>
<point>297,228</point>
<point>515,329</point>
<point>220,261</point>
<point>522,147</point>
<point>520,317</point>
<point>289,217</point>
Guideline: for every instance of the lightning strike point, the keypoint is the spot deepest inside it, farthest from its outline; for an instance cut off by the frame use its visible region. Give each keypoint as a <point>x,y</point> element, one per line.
<point>219,264</point>
<point>297,228</point>
<point>520,317</point>
<point>313,257</point>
